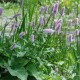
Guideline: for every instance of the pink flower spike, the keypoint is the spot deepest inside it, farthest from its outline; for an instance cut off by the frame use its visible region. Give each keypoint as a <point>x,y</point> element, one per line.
<point>13,46</point>
<point>32,38</point>
<point>55,23</point>
<point>41,20</point>
<point>76,21</point>
<point>21,34</point>
<point>41,10</point>
<point>70,38</point>
<point>70,22</point>
<point>46,8</point>
<point>48,31</point>
<point>58,28</point>
<point>53,8</point>
<point>1,11</point>
<point>60,21</point>
<point>56,7</point>
<point>76,32</point>
<point>62,11</point>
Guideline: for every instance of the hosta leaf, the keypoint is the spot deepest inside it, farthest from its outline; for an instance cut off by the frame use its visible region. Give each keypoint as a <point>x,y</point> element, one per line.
<point>2,62</point>
<point>18,62</point>
<point>33,70</point>
<point>19,72</point>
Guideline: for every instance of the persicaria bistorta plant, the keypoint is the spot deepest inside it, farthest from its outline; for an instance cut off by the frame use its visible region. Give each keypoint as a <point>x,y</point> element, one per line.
<point>31,53</point>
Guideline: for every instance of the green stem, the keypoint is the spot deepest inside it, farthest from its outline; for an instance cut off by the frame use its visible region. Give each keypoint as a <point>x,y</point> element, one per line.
<point>77,10</point>
<point>47,21</point>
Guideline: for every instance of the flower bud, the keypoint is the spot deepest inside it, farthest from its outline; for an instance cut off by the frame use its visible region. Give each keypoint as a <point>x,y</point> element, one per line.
<point>76,21</point>
<point>53,6</point>
<point>32,23</point>
<point>70,22</point>
<point>12,26</point>
<point>16,15</point>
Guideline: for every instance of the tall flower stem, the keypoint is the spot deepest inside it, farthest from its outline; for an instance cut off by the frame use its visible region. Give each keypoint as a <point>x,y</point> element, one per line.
<point>77,63</point>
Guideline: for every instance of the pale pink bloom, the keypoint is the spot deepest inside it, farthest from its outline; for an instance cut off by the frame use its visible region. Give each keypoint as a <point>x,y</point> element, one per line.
<point>48,31</point>
<point>76,32</point>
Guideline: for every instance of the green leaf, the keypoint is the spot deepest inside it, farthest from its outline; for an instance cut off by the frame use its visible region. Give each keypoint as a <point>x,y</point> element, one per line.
<point>32,1</point>
<point>21,54</point>
<point>60,62</point>
<point>18,62</point>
